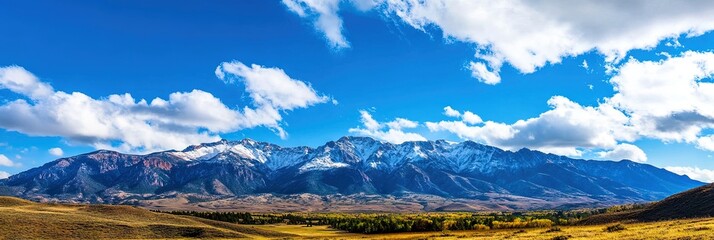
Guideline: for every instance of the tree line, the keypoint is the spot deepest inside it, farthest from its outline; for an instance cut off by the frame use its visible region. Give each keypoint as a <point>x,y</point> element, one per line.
<point>412,222</point>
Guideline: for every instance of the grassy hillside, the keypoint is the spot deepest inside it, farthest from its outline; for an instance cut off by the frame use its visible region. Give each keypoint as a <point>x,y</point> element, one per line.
<point>694,203</point>
<point>24,219</point>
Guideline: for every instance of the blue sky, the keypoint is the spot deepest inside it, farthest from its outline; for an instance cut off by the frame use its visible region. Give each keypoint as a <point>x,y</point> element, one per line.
<point>391,61</point>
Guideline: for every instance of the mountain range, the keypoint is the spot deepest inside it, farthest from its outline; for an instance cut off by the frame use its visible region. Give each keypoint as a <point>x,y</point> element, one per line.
<point>459,175</point>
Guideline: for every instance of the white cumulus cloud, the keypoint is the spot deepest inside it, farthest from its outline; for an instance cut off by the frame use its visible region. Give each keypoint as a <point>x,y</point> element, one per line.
<point>270,86</point>
<point>704,175</point>
<point>671,99</point>
<point>530,34</point>
<point>467,116</point>
<point>448,111</point>
<point>272,91</point>
<point>389,132</point>
<point>624,151</point>
<point>57,152</point>
<point>564,129</point>
<point>121,122</point>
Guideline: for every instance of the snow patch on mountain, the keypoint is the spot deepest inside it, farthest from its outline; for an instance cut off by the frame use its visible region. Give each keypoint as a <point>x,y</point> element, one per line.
<point>201,152</point>
<point>418,152</point>
<point>322,163</point>
<point>364,153</point>
<point>244,152</point>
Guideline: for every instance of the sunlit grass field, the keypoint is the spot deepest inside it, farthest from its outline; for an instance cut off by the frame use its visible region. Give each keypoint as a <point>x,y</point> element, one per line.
<point>676,229</point>
<point>20,219</point>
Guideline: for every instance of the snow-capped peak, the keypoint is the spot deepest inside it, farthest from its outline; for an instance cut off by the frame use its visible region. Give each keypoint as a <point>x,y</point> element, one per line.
<point>248,153</point>
<point>211,150</point>
<point>351,152</point>
<point>273,156</point>
<point>203,151</point>
<point>321,163</point>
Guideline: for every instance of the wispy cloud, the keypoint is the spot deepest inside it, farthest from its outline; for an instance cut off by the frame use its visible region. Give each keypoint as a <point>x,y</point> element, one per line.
<point>6,162</point>
<point>323,15</point>
<point>392,131</point>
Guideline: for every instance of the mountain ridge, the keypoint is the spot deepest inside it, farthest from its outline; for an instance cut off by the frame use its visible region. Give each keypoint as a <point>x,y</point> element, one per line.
<point>347,166</point>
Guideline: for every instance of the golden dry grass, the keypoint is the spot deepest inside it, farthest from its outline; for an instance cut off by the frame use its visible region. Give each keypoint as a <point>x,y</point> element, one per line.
<point>676,229</point>
<point>20,219</point>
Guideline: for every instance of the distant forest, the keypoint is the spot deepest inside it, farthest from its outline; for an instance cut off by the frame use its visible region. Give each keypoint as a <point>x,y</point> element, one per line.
<point>416,222</point>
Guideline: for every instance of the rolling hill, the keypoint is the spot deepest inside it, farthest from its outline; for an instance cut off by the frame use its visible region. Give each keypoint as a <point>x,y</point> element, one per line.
<point>21,219</point>
<point>693,203</point>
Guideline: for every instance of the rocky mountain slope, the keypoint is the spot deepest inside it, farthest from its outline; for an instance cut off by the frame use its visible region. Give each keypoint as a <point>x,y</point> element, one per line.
<point>348,166</point>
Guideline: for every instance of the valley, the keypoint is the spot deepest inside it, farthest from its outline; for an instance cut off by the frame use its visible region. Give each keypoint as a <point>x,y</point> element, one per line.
<point>359,203</point>
<point>21,219</point>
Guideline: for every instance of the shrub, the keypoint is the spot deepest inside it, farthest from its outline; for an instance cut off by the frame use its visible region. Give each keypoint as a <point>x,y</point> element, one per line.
<point>481,227</point>
<point>448,225</point>
<point>518,223</point>
<point>615,228</point>
<point>553,229</point>
<point>540,223</point>
<point>561,237</point>
<point>503,225</point>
